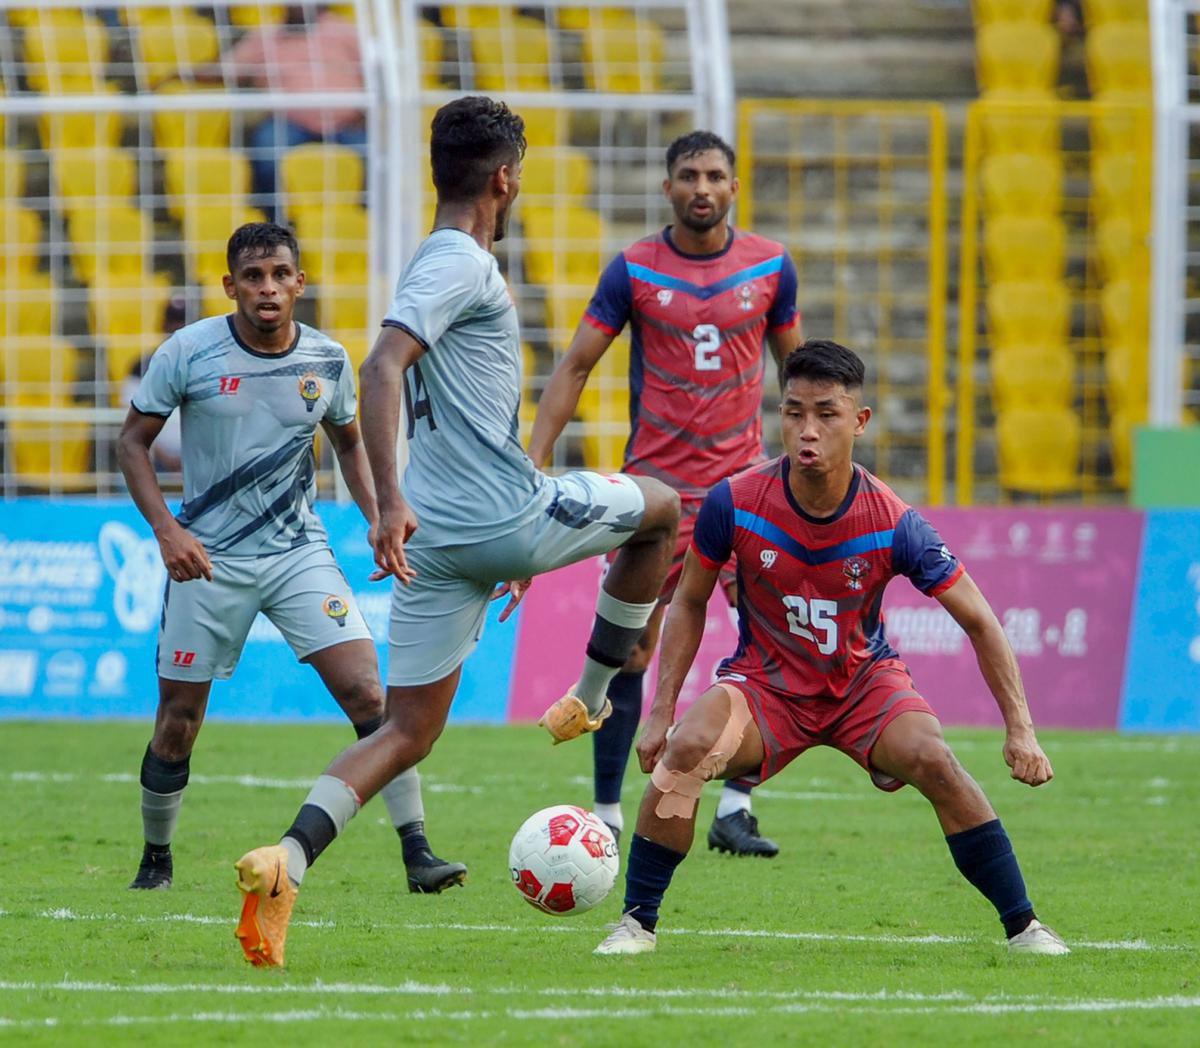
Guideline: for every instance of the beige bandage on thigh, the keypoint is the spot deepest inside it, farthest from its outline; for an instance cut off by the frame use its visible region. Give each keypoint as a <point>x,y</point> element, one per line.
<point>681,789</point>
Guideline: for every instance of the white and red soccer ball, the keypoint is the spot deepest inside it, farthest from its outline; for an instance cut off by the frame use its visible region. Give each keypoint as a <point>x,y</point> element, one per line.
<point>563,860</point>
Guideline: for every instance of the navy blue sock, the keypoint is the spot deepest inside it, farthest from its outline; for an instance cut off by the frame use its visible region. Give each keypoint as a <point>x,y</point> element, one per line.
<point>647,877</point>
<point>737,784</point>
<point>611,744</point>
<point>984,855</point>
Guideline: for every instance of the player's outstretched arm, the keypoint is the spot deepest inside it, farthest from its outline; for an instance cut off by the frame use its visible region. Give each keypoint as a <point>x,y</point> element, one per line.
<point>183,555</point>
<point>677,652</point>
<point>970,609</point>
<point>561,395</point>
<point>381,379</point>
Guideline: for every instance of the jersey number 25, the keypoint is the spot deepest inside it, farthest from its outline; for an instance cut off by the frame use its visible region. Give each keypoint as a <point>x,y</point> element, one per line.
<point>805,616</point>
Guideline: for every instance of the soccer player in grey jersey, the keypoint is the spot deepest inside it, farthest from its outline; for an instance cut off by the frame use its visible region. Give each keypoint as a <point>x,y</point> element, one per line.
<point>252,388</point>
<point>476,519</point>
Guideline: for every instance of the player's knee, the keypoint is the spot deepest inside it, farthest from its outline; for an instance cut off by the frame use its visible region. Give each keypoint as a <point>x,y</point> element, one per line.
<point>688,748</point>
<point>362,699</point>
<point>661,517</point>
<point>932,765</point>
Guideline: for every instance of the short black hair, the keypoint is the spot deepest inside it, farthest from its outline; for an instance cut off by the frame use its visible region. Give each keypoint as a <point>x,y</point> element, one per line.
<point>470,138</point>
<point>695,142</point>
<point>823,360</point>
<point>261,238</point>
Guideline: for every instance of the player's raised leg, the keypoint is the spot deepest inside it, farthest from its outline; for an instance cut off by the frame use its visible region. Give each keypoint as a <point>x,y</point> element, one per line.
<point>351,673</point>
<point>912,749</point>
<point>716,737</point>
<point>627,599</point>
<point>164,774</point>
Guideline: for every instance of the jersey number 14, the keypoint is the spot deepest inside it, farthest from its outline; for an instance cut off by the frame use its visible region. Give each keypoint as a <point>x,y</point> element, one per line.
<point>416,401</point>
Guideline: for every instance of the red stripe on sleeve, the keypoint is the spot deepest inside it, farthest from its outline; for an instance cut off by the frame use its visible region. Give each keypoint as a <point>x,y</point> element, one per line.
<point>599,325</point>
<point>946,583</point>
<point>710,565</point>
<point>789,325</point>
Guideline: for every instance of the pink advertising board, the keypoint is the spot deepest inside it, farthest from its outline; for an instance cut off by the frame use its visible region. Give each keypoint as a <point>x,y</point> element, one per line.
<point>1061,582</point>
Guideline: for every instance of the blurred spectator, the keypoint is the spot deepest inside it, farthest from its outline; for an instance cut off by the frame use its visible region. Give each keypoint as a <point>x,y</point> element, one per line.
<point>1068,17</point>
<point>166,450</point>
<point>315,50</point>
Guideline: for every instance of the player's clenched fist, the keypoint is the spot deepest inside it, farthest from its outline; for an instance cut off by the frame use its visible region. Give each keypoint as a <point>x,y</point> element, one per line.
<point>1027,761</point>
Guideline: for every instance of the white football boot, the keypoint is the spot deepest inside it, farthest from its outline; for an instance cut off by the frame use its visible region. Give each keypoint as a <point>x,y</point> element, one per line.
<point>1037,938</point>
<point>627,936</point>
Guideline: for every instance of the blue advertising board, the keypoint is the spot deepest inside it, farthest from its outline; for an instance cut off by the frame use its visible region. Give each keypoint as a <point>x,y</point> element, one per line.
<point>81,587</point>
<point>1162,673</point>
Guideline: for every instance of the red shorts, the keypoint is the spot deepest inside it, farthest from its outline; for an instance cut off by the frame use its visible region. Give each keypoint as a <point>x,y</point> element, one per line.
<point>789,726</point>
<point>688,512</point>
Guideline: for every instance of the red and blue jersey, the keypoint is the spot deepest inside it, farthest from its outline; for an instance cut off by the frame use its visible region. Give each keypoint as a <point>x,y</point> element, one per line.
<point>810,591</point>
<point>696,363</point>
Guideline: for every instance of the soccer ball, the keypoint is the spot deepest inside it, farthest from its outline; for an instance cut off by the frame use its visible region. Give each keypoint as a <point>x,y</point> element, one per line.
<point>563,860</point>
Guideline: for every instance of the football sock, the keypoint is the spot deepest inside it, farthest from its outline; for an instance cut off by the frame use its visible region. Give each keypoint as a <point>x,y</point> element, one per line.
<point>647,878</point>
<point>330,804</point>
<point>611,744</point>
<point>162,795</point>
<point>368,727</point>
<point>615,632</point>
<point>984,855</point>
<point>610,815</point>
<point>734,798</point>
<point>413,840</point>
<point>402,798</point>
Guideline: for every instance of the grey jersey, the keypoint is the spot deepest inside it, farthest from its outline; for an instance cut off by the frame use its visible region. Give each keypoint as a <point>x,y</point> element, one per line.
<point>468,477</point>
<point>248,422</point>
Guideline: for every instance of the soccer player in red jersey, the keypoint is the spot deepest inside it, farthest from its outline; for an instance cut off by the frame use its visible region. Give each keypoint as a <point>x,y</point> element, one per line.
<point>700,297</point>
<point>816,539</point>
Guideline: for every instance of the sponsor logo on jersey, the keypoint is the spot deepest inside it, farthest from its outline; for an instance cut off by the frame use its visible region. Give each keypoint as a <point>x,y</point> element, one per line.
<point>665,296</point>
<point>768,557</point>
<point>337,609</point>
<point>310,390</point>
<point>745,297</point>
<point>855,569</point>
<point>229,385</point>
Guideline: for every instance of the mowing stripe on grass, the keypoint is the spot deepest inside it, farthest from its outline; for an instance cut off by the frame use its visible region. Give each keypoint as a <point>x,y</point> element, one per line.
<point>66,914</point>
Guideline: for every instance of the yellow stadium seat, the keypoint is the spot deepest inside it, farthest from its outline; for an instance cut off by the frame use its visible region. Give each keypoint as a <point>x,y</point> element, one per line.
<point>62,52</point>
<point>81,130</point>
<point>1127,377</point>
<point>28,302</point>
<point>432,50</point>
<point>1125,130</point>
<point>42,365</point>
<point>469,16</point>
<point>198,177</point>
<point>51,455</point>
<point>31,16</point>
<point>1017,58</point>
<point>1125,312</point>
<point>1039,449</point>
<point>95,177</point>
<point>189,128</point>
<point>319,174</point>
<point>109,239</point>
<point>343,307</point>
<point>1121,186</point>
<point>20,239</point>
<point>511,55</point>
<point>140,15</point>
<point>213,300</point>
<point>251,15</point>
<point>1032,378</point>
<point>1097,12</point>
<point>129,304</point>
<point>207,228</point>
<point>555,173</point>
<point>623,53</point>
<point>563,245</point>
<point>1025,248</point>
<point>987,11</point>
<point>1020,128</point>
<point>333,243</point>
<point>1123,249</point>
<point>545,127</point>
<point>1022,184</point>
<point>166,46</point>
<point>1118,61</point>
<point>1022,313</point>
<point>12,173</point>
<point>1121,426</point>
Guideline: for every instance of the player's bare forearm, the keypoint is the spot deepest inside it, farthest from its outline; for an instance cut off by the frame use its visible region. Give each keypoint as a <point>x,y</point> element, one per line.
<point>356,470</point>
<point>381,379</point>
<point>561,395</point>
<point>682,633</point>
<point>133,457</point>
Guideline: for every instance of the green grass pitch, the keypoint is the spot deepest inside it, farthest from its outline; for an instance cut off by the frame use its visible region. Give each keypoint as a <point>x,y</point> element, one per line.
<point>861,932</point>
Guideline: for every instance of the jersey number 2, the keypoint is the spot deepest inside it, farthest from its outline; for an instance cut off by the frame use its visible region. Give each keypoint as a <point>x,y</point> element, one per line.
<point>708,345</point>
<point>416,401</point>
<point>804,616</point>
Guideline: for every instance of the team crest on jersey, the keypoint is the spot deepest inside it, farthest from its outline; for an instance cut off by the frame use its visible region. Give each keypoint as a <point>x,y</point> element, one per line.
<point>768,557</point>
<point>855,569</point>
<point>745,297</point>
<point>337,609</point>
<point>665,296</point>
<point>310,390</point>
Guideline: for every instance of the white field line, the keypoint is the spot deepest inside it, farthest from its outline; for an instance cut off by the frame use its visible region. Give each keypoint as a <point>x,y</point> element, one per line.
<point>251,781</point>
<point>66,914</point>
<point>341,1015</point>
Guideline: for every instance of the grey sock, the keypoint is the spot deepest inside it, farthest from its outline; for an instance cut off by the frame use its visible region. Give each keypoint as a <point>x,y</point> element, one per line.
<point>615,632</point>
<point>402,798</point>
<point>160,812</point>
<point>297,861</point>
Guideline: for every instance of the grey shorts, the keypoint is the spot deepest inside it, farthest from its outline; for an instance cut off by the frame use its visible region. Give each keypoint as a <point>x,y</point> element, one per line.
<point>303,592</point>
<point>437,619</point>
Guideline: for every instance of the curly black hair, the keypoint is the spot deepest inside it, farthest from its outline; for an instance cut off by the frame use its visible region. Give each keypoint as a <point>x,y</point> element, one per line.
<point>471,137</point>
<point>695,142</point>
<point>261,239</point>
